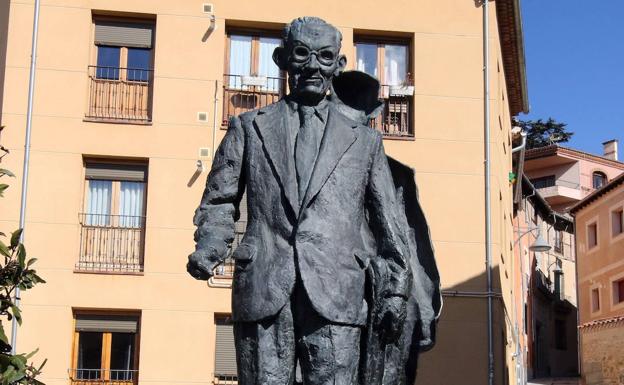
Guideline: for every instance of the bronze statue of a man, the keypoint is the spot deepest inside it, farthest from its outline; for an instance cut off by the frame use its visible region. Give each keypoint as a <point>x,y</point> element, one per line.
<point>326,265</point>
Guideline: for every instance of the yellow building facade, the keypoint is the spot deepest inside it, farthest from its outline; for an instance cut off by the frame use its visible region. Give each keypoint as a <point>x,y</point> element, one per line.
<point>129,104</point>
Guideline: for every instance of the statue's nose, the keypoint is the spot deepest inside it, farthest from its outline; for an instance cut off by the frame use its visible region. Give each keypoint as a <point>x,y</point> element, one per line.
<point>313,64</point>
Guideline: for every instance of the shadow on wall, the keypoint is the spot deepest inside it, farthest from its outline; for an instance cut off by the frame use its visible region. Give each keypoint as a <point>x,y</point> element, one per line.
<point>460,355</point>
<point>4,36</point>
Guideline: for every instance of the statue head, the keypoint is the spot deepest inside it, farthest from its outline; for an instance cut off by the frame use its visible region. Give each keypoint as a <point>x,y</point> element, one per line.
<point>311,56</point>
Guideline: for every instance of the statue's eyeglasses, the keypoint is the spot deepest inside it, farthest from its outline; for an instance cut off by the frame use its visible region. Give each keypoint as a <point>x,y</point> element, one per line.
<point>302,54</point>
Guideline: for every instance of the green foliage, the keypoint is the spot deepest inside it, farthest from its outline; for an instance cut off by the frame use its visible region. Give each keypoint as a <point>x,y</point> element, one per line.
<point>541,134</point>
<point>15,272</point>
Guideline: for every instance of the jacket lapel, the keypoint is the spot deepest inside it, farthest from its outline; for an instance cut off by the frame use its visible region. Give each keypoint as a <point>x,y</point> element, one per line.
<point>273,130</point>
<point>339,136</point>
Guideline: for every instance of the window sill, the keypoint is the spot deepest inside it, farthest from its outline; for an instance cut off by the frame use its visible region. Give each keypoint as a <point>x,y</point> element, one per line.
<point>108,272</point>
<point>399,137</point>
<point>119,121</point>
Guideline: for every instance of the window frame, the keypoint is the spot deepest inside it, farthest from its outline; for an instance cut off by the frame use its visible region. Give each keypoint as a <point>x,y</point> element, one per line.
<point>381,42</point>
<point>588,225</point>
<point>616,279</point>
<point>613,210</point>
<point>255,35</point>
<point>595,310</point>
<point>106,344</point>
<point>602,174</point>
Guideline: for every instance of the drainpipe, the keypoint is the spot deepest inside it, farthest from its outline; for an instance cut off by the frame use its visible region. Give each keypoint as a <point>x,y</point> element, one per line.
<point>488,213</point>
<point>22,218</point>
<point>214,119</point>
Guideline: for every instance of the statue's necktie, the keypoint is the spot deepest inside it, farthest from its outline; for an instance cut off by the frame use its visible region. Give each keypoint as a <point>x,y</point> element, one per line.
<point>306,147</point>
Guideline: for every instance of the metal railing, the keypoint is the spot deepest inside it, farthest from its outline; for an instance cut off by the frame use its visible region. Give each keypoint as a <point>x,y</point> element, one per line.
<point>246,93</point>
<point>225,379</point>
<point>120,94</point>
<point>395,119</point>
<point>111,243</point>
<point>103,376</point>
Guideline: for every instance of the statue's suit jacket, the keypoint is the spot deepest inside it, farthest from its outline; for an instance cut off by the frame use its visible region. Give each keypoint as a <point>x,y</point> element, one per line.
<point>348,215</point>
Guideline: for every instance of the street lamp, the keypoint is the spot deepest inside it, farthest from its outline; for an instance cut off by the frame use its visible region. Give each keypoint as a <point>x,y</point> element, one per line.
<point>540,244</point>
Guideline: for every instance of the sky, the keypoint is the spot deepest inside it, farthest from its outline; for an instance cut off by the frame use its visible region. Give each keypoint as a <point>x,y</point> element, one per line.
<point>574,51</point>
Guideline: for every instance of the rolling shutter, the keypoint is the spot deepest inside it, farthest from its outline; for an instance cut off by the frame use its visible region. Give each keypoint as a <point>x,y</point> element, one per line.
<point>124,34</point>
<point>104,323</point>
<point>225,360</point>
<point>125,172</point>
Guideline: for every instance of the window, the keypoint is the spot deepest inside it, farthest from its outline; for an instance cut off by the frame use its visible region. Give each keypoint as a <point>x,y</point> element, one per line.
<point>105,348</point>
<point>592,235</point>
<point>617,222</point>
<point>389,62</point>
<point>252,80</point>
<point>561,342</point>
<point>599,179</point>
<point>595,300</point>
<point>558,241</point>
<point>121,79</point>
<point>618,291</point>
<point>225,354</point>
<point>543,182</point>
<point>113,220</point>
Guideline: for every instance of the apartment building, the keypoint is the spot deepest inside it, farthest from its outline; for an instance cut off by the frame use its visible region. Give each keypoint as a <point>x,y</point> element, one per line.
<point>545,270</point>
<point>564,175</point>
<point>599,223</point>
<point>130,102</point>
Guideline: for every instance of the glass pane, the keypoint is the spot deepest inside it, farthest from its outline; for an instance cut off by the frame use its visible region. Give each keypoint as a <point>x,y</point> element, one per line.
<point>366,57</point>
<point>240,60</point>
<point>395,64</point>
<point>99,202</point>
<point>122,356</point>
<point>107,62</point>
<point>139,64</point>
<point>131,204</point>
<point>266,65</point>
<point>89,355</point>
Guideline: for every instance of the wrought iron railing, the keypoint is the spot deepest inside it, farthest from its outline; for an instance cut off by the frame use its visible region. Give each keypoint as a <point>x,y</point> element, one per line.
<point>395,119</point>
<point>246,93</point>
<point>120,94</point>
<point>103,376</point>
<point>225,379</point>
<point>111,243</point>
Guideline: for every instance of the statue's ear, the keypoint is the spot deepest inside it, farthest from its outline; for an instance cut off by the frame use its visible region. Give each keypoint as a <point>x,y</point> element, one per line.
<point>279,57</point>
<point>341,64</point>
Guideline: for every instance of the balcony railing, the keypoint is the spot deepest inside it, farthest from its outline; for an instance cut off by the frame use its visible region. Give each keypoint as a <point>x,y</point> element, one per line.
<point>120,94</point>
<point>111,243</point>
<point>103,377</point>
<point>246,93</point>
<point>395,118</point>
<point>225,379</point>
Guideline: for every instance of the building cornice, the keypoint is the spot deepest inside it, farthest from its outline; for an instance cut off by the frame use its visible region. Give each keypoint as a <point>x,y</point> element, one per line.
<point>512,46</point>
<point>554,149</point>
<point>597,194</point>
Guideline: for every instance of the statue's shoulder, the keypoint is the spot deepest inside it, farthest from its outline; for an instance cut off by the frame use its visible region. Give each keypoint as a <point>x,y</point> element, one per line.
<point>249,116</point>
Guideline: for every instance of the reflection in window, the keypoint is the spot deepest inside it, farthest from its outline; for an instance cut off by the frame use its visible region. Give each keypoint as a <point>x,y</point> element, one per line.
<point>108,62</point>
<point>395,64</point>
<point>367,58</point>
<point>139,64</point>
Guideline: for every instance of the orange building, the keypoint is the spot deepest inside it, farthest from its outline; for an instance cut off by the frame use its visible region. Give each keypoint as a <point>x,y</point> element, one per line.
<point>599,224</point>
<point>129,104</point>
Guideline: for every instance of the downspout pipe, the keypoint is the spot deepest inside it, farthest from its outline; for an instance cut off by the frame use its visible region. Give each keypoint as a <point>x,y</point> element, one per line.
<point>488,212</point>
<point>214,118</point>
<point>31,92</point>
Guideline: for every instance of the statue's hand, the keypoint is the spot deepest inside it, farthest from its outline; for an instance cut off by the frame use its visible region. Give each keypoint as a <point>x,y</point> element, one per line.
<point>391,317</point>
<point>201,263</point>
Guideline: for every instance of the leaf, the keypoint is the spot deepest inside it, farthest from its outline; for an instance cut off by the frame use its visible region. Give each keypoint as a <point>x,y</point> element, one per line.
<point>31,261</point>
<point>3,186</point>
<point>3,336</point>
<point>15,237</point>
<point>4,171</point>
<point>29,355</point>
<point>4,250</point>
<point>21,255</point>
<point>17,314</point>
